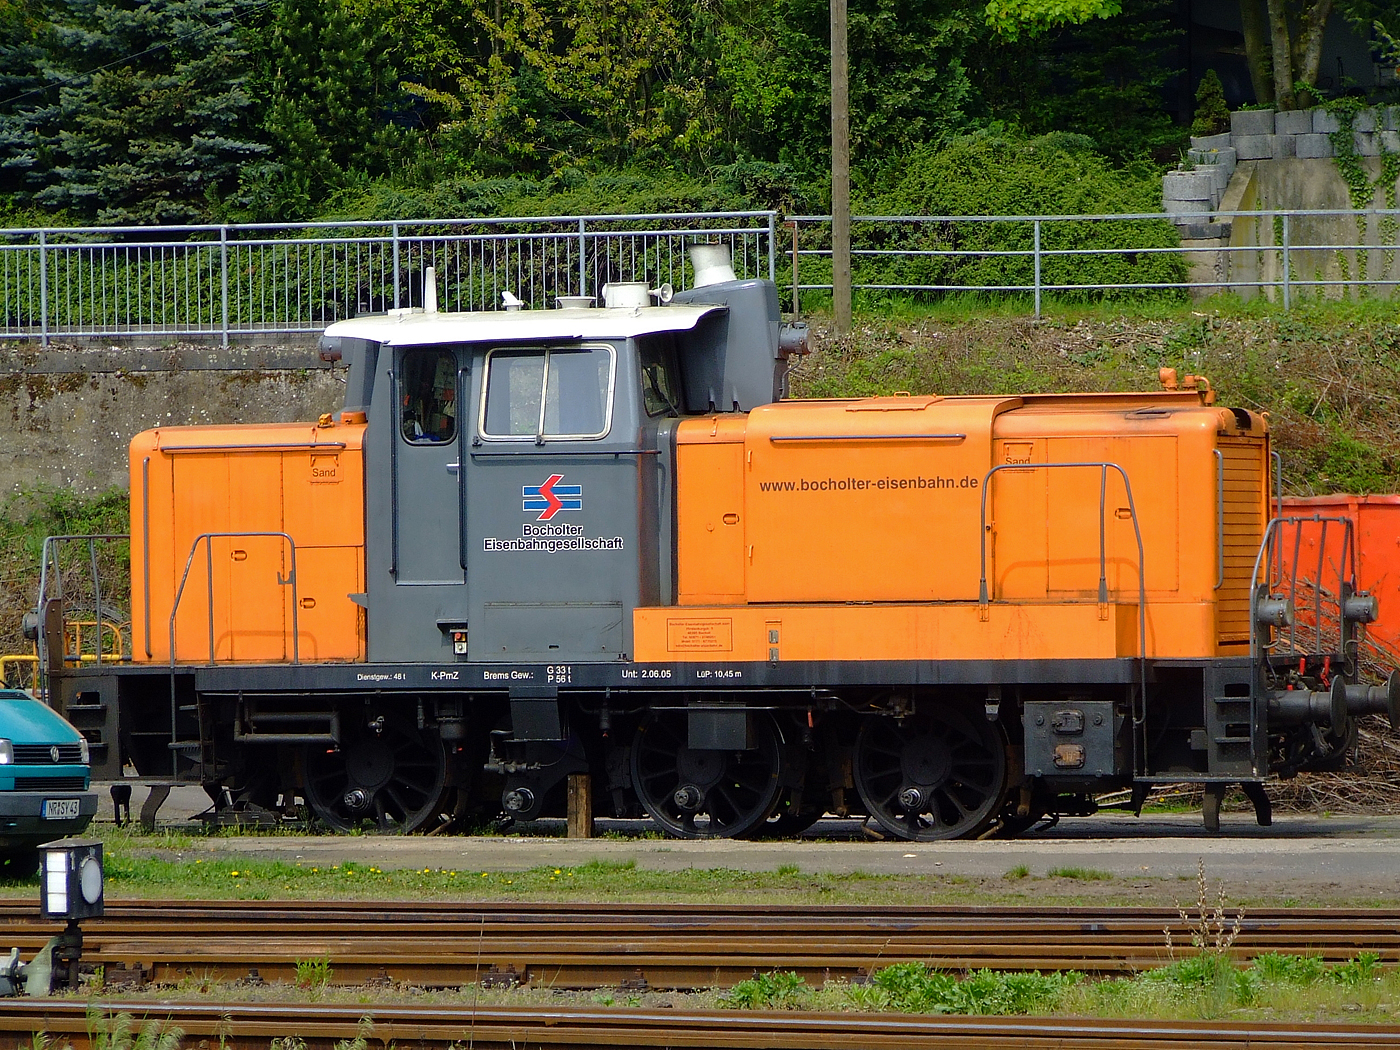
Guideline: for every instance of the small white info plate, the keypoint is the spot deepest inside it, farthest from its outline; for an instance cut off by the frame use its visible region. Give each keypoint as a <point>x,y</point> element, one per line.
<point>60,808</point>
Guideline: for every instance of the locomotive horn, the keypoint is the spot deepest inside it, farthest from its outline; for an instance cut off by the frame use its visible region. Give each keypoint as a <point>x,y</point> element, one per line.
<point>1376,699</point>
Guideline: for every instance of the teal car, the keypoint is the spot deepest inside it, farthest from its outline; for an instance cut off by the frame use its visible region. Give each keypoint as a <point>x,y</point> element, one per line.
<point>44,778</point>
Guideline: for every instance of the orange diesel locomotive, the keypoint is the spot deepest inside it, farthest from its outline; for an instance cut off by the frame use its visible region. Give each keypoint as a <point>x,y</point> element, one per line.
<point>539,544</point>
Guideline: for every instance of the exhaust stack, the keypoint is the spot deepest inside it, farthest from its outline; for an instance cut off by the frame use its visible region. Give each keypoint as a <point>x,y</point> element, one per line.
<point>712,263</point>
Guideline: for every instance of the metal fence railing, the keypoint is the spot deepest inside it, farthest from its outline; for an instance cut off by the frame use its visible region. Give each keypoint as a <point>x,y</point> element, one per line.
<point>222,281</point>
<point>1278,253</point>
<point>262,279</point>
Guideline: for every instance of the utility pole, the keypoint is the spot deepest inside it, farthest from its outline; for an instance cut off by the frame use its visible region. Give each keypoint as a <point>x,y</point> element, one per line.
<point>840,170</point>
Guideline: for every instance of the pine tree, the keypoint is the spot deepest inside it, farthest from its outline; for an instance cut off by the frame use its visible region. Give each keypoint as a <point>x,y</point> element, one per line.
<point>327,86</point>
<point>143,115</point>
<point>1212,115</point>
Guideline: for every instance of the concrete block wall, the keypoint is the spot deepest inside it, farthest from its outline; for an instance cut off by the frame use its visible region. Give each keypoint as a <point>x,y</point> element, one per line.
<point>1262,134</point>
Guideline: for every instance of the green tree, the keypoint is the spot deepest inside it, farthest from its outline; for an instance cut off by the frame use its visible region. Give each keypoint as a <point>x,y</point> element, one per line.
<point>1103,79</point>
<point>1011,18</point>
<point>1283,42</point>
<point>1212,115</point>
<point>326,83</point>
<point>142,116</point>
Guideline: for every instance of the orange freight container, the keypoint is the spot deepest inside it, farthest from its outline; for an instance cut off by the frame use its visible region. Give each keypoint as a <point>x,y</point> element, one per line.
<point>1376,530</point>
<point>304,481</point>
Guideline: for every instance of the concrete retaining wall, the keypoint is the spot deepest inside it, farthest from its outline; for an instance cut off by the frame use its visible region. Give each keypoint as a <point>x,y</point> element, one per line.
<point>67,412</point>
<point>1311,183</point>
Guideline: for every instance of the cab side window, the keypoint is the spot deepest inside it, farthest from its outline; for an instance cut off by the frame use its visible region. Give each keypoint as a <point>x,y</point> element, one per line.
<point>660,390</point>
<point>428,396</point>
<point>558,392</point>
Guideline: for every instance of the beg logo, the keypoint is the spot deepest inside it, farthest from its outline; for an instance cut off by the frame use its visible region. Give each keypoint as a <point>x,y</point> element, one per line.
<point>551,497</point>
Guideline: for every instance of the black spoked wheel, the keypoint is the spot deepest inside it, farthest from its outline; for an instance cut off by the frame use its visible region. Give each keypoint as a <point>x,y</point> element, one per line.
<point>704,794</point>
<point>939,775</point>
<point>388,776</point>
<point>796,811</point>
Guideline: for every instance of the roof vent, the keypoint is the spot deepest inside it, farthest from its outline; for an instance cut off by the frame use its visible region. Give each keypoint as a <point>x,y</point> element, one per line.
<point>713,264</point>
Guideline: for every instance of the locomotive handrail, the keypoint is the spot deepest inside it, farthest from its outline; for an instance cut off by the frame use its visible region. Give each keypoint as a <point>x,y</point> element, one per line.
<point>1219,519</point>
<point>207,539</point>
<point>1103,466</point>
<point>1271,552</point>
<point>49,555</point>
<point>780,438</point>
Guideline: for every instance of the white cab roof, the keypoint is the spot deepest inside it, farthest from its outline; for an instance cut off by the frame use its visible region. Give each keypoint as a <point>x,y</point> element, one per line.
<point>414,327</point>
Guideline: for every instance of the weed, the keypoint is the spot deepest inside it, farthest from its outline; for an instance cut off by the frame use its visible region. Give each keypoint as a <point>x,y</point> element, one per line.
<point>287,1042</point>
<point>1361,969</point>
<point>914,988</point>
<point>1212,931</point>
<point>363,1033</point>
<point>1083,874</point>
<point>114,1032</point>
<point>1020,871</point>
<point>1288,969</point>
<point>768,991</point>
<point>788,870</point>
<point>314,974</point>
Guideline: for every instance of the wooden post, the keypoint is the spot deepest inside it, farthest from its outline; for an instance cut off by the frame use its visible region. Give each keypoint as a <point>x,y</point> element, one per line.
<point>840,171</point>
<point>580,806</point>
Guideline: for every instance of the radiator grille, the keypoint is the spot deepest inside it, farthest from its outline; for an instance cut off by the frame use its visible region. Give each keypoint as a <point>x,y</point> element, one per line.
<point>42,754</point>
<point>1246,492</point>
<point>50,783</point>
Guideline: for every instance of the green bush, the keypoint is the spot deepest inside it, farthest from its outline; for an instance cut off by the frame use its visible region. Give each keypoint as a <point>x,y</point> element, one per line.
<point>998,173</point>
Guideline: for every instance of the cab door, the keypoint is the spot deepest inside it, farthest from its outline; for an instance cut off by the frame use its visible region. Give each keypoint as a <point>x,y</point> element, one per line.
<point>426,467</point>
<point>552,522</point>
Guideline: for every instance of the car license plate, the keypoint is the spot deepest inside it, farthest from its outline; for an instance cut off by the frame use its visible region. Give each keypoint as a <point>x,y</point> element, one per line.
<point>60,808</point>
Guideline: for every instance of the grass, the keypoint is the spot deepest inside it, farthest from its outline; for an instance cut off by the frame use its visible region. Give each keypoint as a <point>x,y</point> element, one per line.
<point>1296,989</point>
<point>1083,874</point>
<point>177,865</point>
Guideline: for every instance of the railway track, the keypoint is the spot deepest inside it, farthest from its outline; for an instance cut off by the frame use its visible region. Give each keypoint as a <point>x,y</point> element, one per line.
<point>251,1027</point>
<point>449,944</point>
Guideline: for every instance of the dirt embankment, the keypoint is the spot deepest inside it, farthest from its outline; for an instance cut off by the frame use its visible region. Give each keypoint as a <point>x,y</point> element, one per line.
<point>1329,379</point>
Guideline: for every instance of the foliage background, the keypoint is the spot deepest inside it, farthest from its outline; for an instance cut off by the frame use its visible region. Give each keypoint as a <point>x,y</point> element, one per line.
<point>185,110</point>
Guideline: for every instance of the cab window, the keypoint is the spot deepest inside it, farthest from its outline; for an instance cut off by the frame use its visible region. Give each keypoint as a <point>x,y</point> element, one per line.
<point>556,392</point>
<point>660,391</point>
<point>428,396</point>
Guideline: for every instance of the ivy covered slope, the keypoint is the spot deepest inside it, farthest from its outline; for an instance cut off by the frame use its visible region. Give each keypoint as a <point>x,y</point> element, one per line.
<point>1329,376</point>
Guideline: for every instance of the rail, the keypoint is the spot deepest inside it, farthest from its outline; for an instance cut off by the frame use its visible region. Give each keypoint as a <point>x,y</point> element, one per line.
<point>448,944</point>
<point>262,279</point>
<point>87,1024</point>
